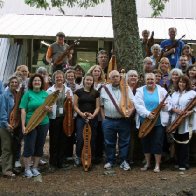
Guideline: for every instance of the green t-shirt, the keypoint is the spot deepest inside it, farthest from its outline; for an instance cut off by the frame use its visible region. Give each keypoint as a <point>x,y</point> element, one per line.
<point>30,101</point>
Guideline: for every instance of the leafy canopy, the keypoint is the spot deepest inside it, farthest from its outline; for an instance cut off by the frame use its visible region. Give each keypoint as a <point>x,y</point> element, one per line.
<point>157,5</point>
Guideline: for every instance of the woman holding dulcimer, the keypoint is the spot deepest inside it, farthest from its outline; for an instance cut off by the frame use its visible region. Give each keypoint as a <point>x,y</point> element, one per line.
<point>34,141</point>
<point>181,98</point>
<point>86,105</point>
<point>6,129</point>
<point>147,99</point>
<point>58,137</point>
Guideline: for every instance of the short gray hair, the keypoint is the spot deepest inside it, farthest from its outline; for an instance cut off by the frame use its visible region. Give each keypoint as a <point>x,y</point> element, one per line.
<point>150,74</point>
<point>131,72</point>
<point>41,70</point>
<point>156,46</point>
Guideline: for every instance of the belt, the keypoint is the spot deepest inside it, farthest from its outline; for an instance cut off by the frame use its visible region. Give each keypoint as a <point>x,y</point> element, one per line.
<point>109,118</point>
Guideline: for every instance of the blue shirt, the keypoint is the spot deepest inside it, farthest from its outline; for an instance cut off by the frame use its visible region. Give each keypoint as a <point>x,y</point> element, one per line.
<point>151,101</point>
<point>1,87</point>
<point>6,106</point>
<point>173,58</point>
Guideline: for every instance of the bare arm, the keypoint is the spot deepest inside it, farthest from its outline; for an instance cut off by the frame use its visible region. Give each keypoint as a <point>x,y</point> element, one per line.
<point>23,118</point>
<point>77,110</point>
<point>97,108</point>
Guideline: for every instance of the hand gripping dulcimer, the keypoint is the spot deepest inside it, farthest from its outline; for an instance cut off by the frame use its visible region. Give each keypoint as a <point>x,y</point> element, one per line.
<point>148,124</point>
<point>180,118</point>
<point>40,112</point>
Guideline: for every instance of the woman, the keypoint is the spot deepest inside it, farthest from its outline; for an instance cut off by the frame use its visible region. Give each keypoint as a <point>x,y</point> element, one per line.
<point>147,98</point>
<point>164,67</point>
<point>186,50</point>
<point>98,75</point>
<point>156,51</point>
<point>86,101</point>
<point>180,98</point>
<point>44,73</point>
<point>158,75</point>
<point>99,79</point>
<point>70,80</point>
<point>58,140</point>
<point>191,73</point>
<point>174,76</point>
<point>35,140</point>
<point>135,151</point>
<point>6,105</point>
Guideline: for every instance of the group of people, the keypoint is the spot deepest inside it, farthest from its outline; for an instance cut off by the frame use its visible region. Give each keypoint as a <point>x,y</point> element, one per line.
<point>102,104</point>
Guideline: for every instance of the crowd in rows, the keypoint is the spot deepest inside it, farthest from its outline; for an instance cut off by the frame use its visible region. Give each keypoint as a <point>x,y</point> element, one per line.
<point>111,129</point>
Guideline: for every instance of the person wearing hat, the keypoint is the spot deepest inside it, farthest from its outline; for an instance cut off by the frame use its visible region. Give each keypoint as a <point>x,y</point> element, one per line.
<point>55,50</point>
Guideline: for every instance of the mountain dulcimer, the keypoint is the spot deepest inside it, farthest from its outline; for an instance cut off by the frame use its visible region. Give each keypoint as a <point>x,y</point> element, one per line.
<point>40,112</point>
<point>68,122</point>
<point>125,103</point>
<point>148,124</point>
<point>14,118</point>
<point>86,151</point>
<point>180,118</point>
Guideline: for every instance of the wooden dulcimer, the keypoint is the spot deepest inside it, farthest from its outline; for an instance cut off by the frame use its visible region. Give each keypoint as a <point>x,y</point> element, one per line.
<point>68,122</point>
<point>125,103</point>
<point>40,112</point>
<point>148,124</point>
<point>86,151</point>
<point>180,118</point>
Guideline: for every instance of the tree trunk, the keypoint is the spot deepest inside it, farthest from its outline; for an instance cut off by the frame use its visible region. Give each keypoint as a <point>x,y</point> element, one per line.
<point>127,44</point>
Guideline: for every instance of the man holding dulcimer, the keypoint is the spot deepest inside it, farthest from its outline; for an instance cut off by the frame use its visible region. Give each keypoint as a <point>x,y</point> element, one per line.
<point>59,53</point>
<point>117,105</point>
<point>172,48</point>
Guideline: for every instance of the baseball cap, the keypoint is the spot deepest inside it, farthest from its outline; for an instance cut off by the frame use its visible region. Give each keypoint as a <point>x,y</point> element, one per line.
<point>60,34</point>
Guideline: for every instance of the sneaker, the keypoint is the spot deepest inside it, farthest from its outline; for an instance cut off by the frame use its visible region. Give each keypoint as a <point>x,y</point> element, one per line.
<point>28,173</point>
<point>156,170</point>
<point>35,172</point>
<point>108,166</point>
<point>145,168</point>
<point>182,168</point>
<point>125,166</point>
<point>77,161</point>
<point>17,164</point>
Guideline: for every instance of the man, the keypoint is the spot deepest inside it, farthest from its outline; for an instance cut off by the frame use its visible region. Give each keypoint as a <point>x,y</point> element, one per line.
<point>174,53</point>
<point>144,42</point>
<point>183,64</point>
<point>114,123</point>
<point>79,73</point>
<point>55,50</point>
<point>102,59</point>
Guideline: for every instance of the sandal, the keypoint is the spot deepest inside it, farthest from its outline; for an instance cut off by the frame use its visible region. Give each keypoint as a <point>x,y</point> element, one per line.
<point>9,174</point>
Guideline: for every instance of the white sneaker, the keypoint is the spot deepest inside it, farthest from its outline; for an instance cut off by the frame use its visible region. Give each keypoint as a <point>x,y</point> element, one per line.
<point>35,172</point>
<point>17,164</point>
<point>182,168</point>
<point>28,173</point>
<point>125,166</point>
<point>108,166</point>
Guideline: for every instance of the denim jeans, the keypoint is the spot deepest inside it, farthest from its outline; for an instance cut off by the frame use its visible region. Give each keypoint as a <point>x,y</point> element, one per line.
<point>112,128</point>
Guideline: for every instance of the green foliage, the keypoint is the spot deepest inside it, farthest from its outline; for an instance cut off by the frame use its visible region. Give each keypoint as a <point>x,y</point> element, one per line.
<point>60,3</point>
<point>158,6</point>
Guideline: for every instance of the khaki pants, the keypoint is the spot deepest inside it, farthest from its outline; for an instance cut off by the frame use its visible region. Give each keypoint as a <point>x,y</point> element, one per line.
<point>6,148</point>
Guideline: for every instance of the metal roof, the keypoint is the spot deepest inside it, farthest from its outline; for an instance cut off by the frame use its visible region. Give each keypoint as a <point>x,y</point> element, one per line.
<point>44,26</point>
<point>173,9</point>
